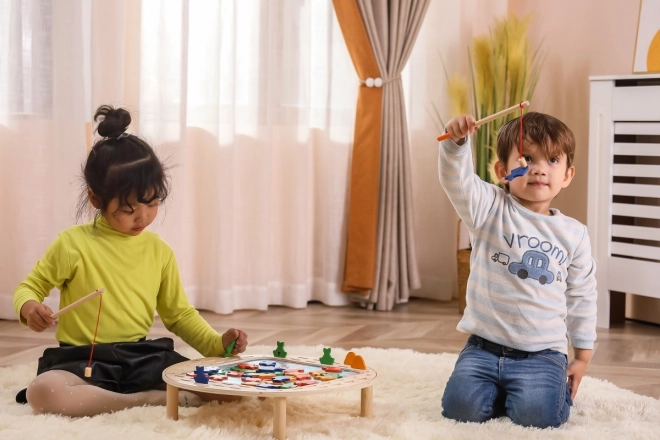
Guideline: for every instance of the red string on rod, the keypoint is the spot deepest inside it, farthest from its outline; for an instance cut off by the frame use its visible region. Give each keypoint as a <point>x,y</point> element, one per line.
<point>520,171</point>
<point>521,128</point>
<point>88,370</point>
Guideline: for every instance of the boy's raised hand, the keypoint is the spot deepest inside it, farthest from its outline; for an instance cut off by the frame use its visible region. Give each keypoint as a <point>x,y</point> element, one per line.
<point>237,335</point>
<point>460,127</point>
<point>37,315</point>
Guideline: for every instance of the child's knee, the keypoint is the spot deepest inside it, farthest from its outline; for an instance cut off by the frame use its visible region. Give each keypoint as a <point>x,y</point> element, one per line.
<point>539,415</point>
<point>462,407</point>
<point>537,420</point>
<point>38,397</point>
<point>45,393</point>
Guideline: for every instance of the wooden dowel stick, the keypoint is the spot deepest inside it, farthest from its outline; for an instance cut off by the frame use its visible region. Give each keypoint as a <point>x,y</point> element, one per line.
<point>279,418</point>
<point>75,304</point>
<point>172,402</point>
<point>499,114</point>
<point>367,402</point>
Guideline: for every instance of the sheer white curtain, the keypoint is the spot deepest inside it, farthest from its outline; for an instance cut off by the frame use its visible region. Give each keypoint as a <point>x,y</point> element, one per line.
<point>251,102</point>
<point>42,131</point>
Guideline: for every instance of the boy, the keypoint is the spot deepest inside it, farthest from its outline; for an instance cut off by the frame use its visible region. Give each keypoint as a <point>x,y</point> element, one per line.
<point>532,278</point>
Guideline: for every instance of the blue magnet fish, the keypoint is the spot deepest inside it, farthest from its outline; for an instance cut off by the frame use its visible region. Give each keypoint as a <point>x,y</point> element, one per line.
<point>200,375</point>
<point>516,172</point>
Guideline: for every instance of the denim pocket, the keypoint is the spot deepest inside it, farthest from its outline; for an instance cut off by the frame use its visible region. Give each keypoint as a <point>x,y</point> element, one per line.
<point>468,347</point>
<point>553,356</point>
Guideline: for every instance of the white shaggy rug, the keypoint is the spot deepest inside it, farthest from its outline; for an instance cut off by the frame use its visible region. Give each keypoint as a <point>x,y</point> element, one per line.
<point>406,406</point>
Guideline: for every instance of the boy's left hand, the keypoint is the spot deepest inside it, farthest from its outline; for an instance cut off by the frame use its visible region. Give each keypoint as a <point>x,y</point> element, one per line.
<point>575,372</point>
<point>237,335</point>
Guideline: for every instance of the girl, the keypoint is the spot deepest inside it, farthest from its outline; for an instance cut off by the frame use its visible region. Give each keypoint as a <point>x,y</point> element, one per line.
<point>126,183</point>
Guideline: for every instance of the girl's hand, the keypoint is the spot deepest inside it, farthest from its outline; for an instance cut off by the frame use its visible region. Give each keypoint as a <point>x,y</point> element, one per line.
<point>460,127</point>
<point>239,336</point>
<point>37,315</point>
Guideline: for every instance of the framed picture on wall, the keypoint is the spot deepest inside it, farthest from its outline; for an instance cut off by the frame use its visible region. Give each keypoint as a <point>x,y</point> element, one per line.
<point>647,45</point>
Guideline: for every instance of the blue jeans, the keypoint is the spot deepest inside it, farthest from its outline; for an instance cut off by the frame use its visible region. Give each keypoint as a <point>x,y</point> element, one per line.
<point>491,380</point>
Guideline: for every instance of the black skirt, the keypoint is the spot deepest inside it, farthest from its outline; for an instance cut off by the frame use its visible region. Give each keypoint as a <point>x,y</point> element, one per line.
<point>122,367</point>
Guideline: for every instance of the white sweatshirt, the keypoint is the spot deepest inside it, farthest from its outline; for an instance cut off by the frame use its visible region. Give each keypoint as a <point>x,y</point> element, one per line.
<point>532,277</point>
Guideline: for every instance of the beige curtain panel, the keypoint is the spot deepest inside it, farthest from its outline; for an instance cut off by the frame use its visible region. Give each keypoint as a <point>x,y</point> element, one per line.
<point>381,266</point>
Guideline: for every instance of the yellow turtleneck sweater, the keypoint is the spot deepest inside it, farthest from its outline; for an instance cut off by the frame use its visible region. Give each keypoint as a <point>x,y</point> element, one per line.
<point>139,275</point>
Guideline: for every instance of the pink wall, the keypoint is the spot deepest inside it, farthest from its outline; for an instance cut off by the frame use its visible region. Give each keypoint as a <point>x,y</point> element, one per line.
<point>582,38</point>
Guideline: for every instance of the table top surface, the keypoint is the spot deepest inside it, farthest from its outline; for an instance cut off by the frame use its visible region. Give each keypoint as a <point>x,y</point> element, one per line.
<point>177,375</point>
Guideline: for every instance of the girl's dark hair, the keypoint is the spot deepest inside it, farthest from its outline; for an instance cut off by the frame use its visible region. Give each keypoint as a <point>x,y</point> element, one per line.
<point>121,165</point>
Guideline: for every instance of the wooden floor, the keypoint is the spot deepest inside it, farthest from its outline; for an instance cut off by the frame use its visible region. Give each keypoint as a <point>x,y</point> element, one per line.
<point>628,356</point>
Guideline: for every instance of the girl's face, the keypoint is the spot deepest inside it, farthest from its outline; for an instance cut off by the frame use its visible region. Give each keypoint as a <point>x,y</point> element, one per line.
<point>129,220</point>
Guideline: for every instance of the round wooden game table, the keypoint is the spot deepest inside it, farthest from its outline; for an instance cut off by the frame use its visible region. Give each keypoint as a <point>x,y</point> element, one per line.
<point>176,378</point>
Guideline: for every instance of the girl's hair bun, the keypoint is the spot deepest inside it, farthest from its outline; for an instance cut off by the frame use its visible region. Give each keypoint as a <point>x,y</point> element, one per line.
<point>112,121</point>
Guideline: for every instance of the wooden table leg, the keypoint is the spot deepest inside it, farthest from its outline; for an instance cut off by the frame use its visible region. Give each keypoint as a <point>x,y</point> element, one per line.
<point>279,418</point>
<point>172,402</point>
<point>367,402</point>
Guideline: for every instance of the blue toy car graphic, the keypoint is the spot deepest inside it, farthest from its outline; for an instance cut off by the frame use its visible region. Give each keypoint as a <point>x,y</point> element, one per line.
<point>533,265</point>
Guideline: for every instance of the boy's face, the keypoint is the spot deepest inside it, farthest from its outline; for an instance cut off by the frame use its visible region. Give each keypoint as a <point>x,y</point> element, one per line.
<point>544,179</point>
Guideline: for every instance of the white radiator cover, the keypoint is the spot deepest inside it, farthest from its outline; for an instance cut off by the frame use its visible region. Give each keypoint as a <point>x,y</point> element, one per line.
<point>623,212</point>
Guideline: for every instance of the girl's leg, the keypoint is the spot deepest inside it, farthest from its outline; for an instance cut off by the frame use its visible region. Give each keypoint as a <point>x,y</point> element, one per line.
<point>537,393</point>
<point>61,392</point>
<point>472,393</point>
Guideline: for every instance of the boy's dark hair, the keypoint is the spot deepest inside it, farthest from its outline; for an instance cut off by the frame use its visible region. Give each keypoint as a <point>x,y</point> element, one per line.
<point>121,164</point>
<point>549,133</point>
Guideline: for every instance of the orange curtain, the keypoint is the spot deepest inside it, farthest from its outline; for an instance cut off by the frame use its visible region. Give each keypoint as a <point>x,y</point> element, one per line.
<point>365,163</point>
